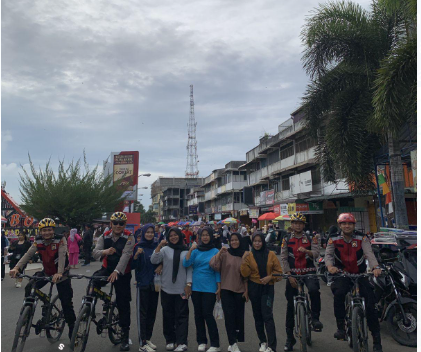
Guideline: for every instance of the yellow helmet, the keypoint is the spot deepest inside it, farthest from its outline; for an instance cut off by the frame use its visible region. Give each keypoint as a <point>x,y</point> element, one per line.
<point>46,222</point>
<point>298,217</point>
<point>119,216</point>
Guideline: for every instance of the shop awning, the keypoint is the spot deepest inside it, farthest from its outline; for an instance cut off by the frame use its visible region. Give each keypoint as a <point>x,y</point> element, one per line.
<point>338,196</point>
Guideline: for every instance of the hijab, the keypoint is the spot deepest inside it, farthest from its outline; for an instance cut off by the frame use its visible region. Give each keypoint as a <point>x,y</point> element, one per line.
<point>178,248</point>
<point>208,246</point>
<point>144,243</point>
<point>261,255</point>
<point>73,232</point>
<point>236,252</point>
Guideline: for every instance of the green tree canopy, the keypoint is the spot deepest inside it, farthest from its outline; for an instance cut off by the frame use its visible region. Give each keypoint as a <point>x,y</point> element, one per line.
<point>146,217</point>
<point>73,195</point>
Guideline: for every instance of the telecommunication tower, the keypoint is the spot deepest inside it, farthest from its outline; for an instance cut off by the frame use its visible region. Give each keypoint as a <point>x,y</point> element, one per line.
<point>192,170</point>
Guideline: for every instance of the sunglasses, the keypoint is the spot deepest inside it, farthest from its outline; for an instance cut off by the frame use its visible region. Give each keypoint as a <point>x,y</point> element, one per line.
<point>121,223</point>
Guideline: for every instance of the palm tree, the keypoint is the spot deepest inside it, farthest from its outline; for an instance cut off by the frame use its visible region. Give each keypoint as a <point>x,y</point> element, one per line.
<point>345,47</point>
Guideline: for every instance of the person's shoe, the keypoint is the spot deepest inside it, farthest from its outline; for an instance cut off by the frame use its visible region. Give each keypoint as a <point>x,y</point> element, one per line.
<point>85,264</point>
<point>71,327</point>
<point>269,349</point>
<point>377,342</point>
<point>202,347</point>
<point>229,348</point>
<point>150,344</point>
<point>148,348</point>
<point>234,348</point>
<point>124,345</point>
<point>181,348</point>
<point>170,347</point>
<point>263,347</point>
<point>377,347</point>
<point>289,344</point>
<point>214,349</point>
<point>317,325</point>
<point>340,335</point>
<point>142,349</point>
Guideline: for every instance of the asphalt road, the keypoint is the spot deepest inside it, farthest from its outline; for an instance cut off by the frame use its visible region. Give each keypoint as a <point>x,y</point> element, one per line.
<point>11,301</point>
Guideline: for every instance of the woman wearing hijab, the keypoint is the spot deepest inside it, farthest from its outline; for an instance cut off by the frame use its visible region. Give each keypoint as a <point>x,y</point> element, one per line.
<point>73,248</point>
<point>205,290</point>
<point>258,266</point>
<point>18,249</point>
<point>147,297</point>
<point>176,281</point>
<point>234,291</point>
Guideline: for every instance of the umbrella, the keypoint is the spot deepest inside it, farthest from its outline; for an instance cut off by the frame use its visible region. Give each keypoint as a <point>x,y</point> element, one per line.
<point>181,223</point>
<point>230,221</point>
<point>254,221</point>
<point>212,222</point>
<point>267,216</point>
<point>283,218</point>
<point>197,223</point>
<point>187,223</point>
<point>161,223</point>
<point>3,219</point>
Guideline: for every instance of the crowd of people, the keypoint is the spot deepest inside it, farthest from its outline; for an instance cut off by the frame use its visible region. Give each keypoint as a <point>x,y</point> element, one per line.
<point>213,265</point>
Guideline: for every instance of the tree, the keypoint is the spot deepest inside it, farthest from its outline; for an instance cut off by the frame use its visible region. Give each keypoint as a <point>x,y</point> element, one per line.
<point>146,217</point>
<point>72,196</point>
<point>345,46</point>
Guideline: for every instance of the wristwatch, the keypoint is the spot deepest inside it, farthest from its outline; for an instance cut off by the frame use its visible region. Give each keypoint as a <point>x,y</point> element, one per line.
<point>189,284</point>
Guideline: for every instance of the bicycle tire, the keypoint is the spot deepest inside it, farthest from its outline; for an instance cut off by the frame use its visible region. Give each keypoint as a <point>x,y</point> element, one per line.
<point>20,337</point>
<point>54,316</point>
<point>359,330</point>
<point>81,330</point>
<point>114,330</point>
<point>308,327</point>
<point>302,327</point>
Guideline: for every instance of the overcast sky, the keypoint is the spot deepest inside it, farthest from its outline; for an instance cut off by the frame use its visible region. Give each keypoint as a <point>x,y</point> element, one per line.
<point>110,76</point>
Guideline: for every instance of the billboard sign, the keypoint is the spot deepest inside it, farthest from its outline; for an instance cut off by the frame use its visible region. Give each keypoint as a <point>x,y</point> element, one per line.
<point>270,197</point>
<point>125,173</point>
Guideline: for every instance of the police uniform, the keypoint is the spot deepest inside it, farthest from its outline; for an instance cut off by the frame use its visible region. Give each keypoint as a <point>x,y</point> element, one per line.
<point>300,262</point>
<point>53,255</point>
<point>350,255</point>
<point>119,261</point>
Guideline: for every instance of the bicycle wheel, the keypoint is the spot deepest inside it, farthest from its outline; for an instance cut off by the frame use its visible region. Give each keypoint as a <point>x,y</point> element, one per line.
<point>308,327</point>
<point>359,330</point>
<point>81,330</point>
<point>302,327</point>
<point>54,321</point>
<point>22,330</point>
<point>114,330</point>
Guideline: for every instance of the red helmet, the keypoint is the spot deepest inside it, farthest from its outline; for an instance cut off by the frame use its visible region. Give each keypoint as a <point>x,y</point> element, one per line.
<point>346,217</point>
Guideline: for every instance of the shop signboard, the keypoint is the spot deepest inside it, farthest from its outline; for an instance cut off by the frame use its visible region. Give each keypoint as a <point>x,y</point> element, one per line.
<point>277,209</point>
<point>300,183</point>
<point>310,208</point>
<point>254,213</point>
<point>218,216</point>
<point>291,208</point>
<point>263,197</point>
<point>125,173</point>
<point>193,209</point>
<point>243,212</point>
<point>270,197</point>
<point>284,209</point>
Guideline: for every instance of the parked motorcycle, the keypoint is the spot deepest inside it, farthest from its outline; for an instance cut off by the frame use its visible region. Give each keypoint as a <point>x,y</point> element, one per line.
<point>396,291</point>
<point>321,268</point>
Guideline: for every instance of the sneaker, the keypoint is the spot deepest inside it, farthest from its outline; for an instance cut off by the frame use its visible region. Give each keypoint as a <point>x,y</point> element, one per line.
<point>229,348</point>
<point>317,325</point>
<point>289,344</point>
<point>181,348</point>
<point>269,349</point>
<point>150,344</point>
<point>170,347</point>
<point>148,348</point>
<point>263,347</point>
<point>142,349</point>
<point>340,335</point>
<point>202,347</point>
<point>18,284</point>
<point>214,349</point>
<point>234,348</point>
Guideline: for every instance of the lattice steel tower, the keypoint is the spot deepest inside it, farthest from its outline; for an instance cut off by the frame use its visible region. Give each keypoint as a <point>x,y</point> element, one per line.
<point>191,167</point>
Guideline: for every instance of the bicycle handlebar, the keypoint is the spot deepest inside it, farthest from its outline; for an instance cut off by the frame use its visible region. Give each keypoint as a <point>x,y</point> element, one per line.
<point>79,276</point>
<point>298,276</point>
<point>45,278</point>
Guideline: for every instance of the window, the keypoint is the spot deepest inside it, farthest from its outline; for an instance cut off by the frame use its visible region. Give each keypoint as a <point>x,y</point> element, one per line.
<point>273,157</point>
<point>315,177</point>
<point>304,144</point>
<point>287,151</point>
<point>285,184</point>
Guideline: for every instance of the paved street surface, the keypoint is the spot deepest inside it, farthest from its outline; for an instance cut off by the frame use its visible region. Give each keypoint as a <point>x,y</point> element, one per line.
<point>12,300</point>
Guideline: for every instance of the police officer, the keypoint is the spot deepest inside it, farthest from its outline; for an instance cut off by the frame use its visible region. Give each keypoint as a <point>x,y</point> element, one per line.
<point>52,250</point>
<point>347,250</point>
<point>298,252</point>
<point>115,248</point>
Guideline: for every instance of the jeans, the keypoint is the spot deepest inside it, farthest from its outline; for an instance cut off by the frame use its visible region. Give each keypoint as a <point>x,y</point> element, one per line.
<point>233,306</point>
<point>175,316</point>
<point>204,303</point>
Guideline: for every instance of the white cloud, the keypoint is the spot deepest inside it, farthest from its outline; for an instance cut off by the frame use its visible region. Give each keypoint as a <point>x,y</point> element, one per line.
<point>6,138</point>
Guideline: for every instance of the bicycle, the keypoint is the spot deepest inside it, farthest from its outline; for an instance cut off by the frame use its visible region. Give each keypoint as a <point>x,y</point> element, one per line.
<point>86,315</point>
<point>52,320</point>
<point>302,311</point>
<point>355,317</point>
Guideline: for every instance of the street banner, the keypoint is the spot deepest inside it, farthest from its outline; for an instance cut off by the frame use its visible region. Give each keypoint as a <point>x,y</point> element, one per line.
<point>125,173</point>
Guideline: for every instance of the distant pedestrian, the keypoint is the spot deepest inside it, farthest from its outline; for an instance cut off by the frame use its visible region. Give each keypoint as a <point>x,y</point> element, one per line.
<point>4,245</point>
<point>18,249</point>
<point>88,240</point>
<point>73,248</point>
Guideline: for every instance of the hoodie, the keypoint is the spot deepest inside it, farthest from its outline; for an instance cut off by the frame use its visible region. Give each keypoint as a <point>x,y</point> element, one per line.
<point>144,269</point>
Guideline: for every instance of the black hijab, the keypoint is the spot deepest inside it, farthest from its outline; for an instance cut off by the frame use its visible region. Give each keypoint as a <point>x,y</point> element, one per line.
<point>239,251</point>
<point>144,243</point>
<point>178,248</point>
<point>261,255</point>
<point>205,247</point>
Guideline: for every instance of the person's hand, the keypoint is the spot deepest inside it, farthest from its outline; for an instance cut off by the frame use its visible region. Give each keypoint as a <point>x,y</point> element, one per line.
<point>162,243</point>
<point>187,291</point>
<point>333,270</point>
<point>158,270</point>
<point>193,246</point>
<point>113,277</point>
<point>377,272</point>
<point>218,294</point>
<point>138,252</point>
<point>266,280</point>
<point>293,282</point>
<point>223,250</point>
<point>57,277</point>
<point>246,254</point>
<point>14,272</point>
<point>246,296</point>
<point>109,251</point>
<point>302,250</point>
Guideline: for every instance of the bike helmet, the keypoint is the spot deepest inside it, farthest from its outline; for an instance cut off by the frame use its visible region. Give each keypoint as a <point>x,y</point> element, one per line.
<point>119,216</point>
<point>346,217</point>
<point>298,217</point>
<point>46,222</point>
